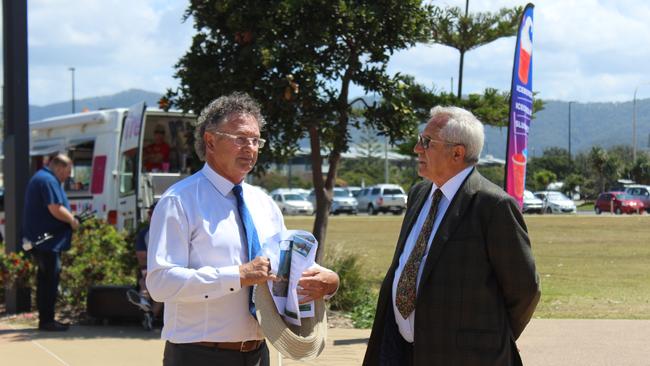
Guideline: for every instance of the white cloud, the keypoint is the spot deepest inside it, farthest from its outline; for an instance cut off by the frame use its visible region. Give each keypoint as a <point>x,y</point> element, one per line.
<point>584,50</point>
<point>114,45</point>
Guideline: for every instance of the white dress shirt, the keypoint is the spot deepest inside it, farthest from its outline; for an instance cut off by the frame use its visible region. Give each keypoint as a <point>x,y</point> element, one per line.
<point>196,246</point>
<point>449,190</point>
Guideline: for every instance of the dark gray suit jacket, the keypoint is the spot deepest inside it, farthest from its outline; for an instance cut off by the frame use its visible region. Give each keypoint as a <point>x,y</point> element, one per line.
<point>479,287</point>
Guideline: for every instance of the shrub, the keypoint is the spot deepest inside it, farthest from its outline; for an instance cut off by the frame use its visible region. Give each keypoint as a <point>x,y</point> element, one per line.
<point>354,294</point>
<point>15,267</point>
<point>99,255</point>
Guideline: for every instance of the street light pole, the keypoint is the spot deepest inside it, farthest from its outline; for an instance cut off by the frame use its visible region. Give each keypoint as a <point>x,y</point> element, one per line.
<point>72,71</point>
<point>634,121</point>
<point>570,129</point>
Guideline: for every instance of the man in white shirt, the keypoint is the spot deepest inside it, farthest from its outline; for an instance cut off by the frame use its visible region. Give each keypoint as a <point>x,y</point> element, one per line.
<point>201,236</point>
<point>462,285</point>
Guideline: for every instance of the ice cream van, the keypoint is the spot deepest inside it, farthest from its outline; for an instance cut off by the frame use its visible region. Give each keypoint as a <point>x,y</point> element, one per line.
<point>124,158</point>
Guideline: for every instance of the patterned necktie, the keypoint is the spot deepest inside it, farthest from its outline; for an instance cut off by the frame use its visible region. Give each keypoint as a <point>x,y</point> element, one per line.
<point>252,241</point>
<point>406,287</point>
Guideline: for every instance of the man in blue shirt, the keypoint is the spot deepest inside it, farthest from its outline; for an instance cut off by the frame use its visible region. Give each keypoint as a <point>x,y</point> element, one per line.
<point>47,210</point>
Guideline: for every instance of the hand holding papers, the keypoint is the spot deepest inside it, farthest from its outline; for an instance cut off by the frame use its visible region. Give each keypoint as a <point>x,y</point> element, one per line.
<point>290,253</point>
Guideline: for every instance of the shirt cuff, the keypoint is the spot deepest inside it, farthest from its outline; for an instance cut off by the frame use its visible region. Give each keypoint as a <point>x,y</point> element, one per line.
<point>230,278</point>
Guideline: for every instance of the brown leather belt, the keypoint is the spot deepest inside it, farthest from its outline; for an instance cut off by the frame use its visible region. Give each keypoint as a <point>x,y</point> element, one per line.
<point>246,346</point>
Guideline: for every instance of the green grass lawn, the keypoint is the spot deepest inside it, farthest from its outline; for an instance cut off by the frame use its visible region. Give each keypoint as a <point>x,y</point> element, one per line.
<point>590,266</point>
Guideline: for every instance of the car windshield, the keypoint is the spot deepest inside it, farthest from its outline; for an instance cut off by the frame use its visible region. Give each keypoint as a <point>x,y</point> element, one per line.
<point>624,196</point>
<point>392,191</point>
<point>341,193</point>
<point>557,196</point>
<point>293,197</point>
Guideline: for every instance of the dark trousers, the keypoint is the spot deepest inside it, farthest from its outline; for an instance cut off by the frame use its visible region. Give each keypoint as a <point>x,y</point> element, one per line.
<point>49,270</point>
<point>196,355</point>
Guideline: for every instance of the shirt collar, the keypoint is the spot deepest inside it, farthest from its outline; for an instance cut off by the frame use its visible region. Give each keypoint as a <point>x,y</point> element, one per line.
<point>452,186</point>
<point>223,185</point>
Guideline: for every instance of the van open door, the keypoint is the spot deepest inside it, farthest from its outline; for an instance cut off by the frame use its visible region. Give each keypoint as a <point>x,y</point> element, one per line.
<point>128,213</point>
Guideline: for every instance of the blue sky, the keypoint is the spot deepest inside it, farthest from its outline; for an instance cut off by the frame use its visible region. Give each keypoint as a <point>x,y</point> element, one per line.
<point>584,50</point>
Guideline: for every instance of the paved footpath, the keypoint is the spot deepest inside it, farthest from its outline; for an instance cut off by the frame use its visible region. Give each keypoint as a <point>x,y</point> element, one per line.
<point>544,343</point>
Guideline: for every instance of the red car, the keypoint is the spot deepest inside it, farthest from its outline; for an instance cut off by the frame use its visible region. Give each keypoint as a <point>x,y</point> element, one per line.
<point>618,202</point>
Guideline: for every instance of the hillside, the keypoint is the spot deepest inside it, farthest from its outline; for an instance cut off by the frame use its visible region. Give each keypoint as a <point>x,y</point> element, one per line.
<point>122,99</point>
<point>604,124</point>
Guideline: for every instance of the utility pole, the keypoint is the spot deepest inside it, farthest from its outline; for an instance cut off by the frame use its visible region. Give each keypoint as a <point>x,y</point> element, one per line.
<point>72,71</point>
<point>16,134</point>
<point>570,129</point>
<point>386,160</point>
<point>634,121</point>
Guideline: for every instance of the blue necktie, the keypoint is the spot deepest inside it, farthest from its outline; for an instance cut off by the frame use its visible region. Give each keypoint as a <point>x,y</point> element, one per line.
<point>252,240</point>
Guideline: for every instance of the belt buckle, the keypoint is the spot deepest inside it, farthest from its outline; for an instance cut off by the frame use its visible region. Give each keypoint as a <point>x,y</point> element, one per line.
<point>247,346</point>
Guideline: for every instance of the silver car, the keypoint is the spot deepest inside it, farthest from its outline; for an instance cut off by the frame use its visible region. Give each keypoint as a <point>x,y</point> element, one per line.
<point>342,202</point>
<point>532,204</point>
<point>292,203</point>
<point>382,198</point>
<point>556,202</point>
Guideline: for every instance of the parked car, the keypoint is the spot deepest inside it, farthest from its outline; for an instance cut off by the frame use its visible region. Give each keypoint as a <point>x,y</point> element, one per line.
<point>640,192</point>
<point>341,202</point>
<point>382,198</point>
<point>619,203</point>
<point>354,191</point>
<point>292,203</point>
<point>301,191</point>
<point>532,204</point>
<point>556,202</point>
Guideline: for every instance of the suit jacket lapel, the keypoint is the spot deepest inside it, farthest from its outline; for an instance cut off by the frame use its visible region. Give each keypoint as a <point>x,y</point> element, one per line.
<point>450,222</point>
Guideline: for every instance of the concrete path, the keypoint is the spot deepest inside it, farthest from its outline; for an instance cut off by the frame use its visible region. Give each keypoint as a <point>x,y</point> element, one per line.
<point>544,343</point>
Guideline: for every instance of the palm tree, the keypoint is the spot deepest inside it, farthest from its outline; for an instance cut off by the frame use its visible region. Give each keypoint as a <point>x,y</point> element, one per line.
<point>465,32</point>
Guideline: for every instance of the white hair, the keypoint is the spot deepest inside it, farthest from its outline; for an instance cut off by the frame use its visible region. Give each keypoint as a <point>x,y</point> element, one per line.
<point>462,128</point>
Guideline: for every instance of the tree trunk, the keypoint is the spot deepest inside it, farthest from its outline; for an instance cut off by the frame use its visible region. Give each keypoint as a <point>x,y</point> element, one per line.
<point>460,75</point>
<point>323,200</point>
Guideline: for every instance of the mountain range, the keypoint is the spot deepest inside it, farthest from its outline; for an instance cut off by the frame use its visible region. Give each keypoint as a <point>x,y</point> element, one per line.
<point>602,124</point>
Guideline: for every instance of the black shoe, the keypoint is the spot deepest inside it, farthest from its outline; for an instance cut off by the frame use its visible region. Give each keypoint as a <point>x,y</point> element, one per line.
<point>54,326</point>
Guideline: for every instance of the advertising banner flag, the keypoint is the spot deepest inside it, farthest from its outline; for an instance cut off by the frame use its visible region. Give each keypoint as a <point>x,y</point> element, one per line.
<point>521,108</point>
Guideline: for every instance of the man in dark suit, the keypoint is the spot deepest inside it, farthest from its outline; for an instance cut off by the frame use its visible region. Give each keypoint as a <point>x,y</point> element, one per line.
<point>462,284</point>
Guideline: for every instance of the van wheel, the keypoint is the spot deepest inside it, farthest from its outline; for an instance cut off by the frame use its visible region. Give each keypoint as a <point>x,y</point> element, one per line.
<point>372,210</point>
<point>598,211</point>
<point>548,210</point>
<point>284,211</point>
<point>398,212</point>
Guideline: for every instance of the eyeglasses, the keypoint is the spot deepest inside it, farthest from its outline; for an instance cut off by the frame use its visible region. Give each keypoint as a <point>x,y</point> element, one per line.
<point>425,141</point>
<point>243,140</point>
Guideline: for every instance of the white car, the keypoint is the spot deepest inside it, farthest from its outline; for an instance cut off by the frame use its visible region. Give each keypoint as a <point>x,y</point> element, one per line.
<point>292,203</point>
<point>532,204</point>
<point>342,201</point>
<point>556,202</point>
<point>382,198</point>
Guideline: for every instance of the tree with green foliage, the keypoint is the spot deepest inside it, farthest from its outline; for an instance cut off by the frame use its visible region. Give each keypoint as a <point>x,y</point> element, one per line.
<point>640,171</point>
<point>542,178</point>
<point>605,167</point>
<point>467,31</point>
<point>494,174</point>
<point>299,60</point>
<point>572,182</point>
<point>554,159</point>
